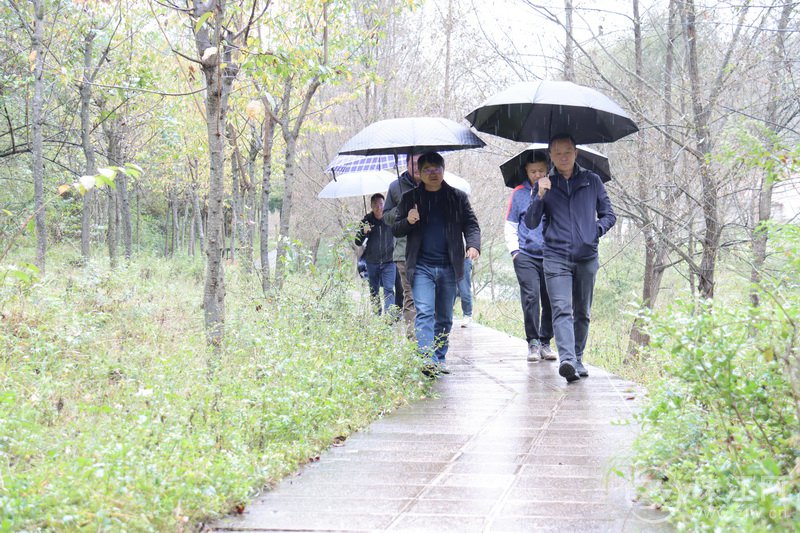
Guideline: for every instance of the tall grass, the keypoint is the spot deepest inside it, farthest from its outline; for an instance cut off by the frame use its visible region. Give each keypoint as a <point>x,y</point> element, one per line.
<point>113,415</point>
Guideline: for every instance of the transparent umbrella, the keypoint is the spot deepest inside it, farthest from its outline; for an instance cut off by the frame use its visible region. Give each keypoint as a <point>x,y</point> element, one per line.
<point>362,183</point>
<point>412,135</point>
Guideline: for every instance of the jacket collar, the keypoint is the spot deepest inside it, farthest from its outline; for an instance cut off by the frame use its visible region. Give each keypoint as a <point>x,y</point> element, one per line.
<point>576,171</point>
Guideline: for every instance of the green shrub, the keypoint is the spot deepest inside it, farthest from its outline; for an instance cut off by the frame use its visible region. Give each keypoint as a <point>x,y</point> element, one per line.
<point>113,415</point>
<point>721,432</point>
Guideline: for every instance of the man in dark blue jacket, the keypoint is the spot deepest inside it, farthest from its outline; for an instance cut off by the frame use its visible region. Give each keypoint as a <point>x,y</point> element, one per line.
<point>438,220</point>
<point>575,209</point>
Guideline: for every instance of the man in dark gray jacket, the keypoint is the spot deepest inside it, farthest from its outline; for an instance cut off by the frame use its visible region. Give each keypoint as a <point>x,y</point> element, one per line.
<point>577,212</point>
<point>408,180</point>
<point>378,254</point>
<point>438,220</point>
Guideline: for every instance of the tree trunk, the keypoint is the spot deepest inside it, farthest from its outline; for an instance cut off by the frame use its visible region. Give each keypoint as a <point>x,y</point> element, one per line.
<point>111,233</point>
<point>190,249</point>
<point>235,193</point>
<point>569,49</point>
<point>36,129</point>
<point>199,220</point>
<point>710,187</point>
<point>174,244</point>
<point>138,217</point>
<point>166,226</point>
<point>215,49</point>
<point>266,174</point>
<point>88,150</point>
<point>247,236</point>
<point>778,59</point>
<point>125,214</point>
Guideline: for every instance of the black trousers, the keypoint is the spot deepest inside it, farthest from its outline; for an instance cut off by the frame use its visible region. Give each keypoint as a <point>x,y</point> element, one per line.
<point>534,299</point>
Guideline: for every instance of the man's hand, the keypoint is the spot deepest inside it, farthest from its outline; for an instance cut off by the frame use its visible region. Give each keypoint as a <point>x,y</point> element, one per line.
<point>544,186</point>
<point>413,215</point>
<point>473,254</point>
<point>366,228</point>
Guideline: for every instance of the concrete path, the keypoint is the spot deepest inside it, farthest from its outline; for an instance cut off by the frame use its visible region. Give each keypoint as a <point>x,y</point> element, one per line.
<point>505,445</point>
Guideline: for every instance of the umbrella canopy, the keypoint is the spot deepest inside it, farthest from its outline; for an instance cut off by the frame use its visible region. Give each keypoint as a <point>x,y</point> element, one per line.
<point>458,182</point>
<point>413,135</point>
<point>536,111</point>
<point>361,183</point>
<point>355,163</point>
<point>514,174</point>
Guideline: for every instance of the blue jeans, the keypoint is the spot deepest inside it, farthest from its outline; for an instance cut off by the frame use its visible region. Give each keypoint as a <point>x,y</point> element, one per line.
<point>434,290</point>
<point>465,288</point>
<point>570,286</point>
<point>381,275</point>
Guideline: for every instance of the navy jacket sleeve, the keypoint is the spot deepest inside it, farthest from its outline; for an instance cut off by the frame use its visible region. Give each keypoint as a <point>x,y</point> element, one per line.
<point>605,213</point>
<point>533,216</point>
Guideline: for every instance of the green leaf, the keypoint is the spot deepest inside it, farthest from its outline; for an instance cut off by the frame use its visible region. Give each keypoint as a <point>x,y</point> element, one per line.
<point>133,170</point>
<point>203,18</point>
<point>107,172</point>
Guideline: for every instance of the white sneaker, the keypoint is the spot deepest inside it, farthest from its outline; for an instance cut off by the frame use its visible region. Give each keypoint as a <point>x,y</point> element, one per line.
<point>533,353</point>
<point>467,322</point>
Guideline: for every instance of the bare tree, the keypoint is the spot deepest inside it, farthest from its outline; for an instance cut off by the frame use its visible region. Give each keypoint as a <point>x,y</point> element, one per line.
<point>779,63</point>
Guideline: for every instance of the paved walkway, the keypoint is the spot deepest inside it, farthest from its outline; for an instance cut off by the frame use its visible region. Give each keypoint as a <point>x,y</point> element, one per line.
<point>505,445</point>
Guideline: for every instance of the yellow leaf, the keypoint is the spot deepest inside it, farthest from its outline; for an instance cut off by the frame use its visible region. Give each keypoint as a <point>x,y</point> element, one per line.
<point>254,108</point>
<point>62,189</point>
<point>32,60</point>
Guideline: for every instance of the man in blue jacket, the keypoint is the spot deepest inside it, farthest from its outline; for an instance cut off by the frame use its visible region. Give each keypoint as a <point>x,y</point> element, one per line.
<point>526,248</point>
<point>438,220</point>
<point>575,209</point>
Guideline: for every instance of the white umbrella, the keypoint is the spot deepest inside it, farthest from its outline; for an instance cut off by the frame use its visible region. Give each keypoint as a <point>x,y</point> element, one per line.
<point>362,183</point>
<point>458,182</point>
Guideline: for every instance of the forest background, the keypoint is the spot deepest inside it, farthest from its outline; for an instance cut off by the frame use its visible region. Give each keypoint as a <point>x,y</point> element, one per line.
<point>165,260</point>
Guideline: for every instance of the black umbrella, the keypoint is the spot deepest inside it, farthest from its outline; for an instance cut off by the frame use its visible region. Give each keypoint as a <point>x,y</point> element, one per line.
<point>411,135</point>
<point>536,111</point>
<point>514,174</point>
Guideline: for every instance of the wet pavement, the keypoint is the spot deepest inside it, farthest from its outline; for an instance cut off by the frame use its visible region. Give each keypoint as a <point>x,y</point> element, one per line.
<point>505,445</point>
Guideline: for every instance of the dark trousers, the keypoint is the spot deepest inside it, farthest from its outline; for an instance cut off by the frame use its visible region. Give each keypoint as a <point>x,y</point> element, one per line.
<point>534,298</point>
<point>570,285</point>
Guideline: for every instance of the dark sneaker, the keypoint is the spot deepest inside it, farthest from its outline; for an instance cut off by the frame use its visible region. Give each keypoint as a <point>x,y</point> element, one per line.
<point>442,368</point>
<point>548,353</point>
<point>567,370</point>
<point>533,353</point>
<point>581,370</point>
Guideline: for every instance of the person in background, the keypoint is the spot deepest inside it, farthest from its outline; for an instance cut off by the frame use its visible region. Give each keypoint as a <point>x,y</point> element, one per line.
<point>464,292</point>
<point>437,220</point>
<point>572,204</point>
<point>525,246</point>
<point>407,181</point>
<point>378,254</point>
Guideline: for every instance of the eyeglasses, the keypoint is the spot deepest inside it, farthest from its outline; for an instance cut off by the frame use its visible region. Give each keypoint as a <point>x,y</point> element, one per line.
<point>431,170</point>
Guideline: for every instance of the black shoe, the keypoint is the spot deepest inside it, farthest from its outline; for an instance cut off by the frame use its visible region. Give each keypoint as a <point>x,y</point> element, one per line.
<point>567,370</point>
<point>582,371</point>
<point>430,371</point>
